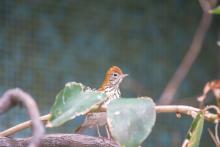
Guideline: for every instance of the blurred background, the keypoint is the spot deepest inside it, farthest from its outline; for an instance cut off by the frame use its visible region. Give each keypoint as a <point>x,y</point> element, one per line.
<point>44,44</point>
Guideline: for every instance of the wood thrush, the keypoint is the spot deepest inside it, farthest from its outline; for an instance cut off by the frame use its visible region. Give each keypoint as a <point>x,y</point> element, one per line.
<point>110,86</point>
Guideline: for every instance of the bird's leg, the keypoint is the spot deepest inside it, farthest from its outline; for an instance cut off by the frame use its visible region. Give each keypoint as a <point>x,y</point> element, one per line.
<point>97,127</point>
<point>107,131</point>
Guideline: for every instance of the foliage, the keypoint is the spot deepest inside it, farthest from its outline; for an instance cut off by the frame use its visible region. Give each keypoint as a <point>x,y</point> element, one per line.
<point>195,131</point>
<point>131,120</point>
<point>135,116</point>
<point>216,10</point>
<point>73,100</point>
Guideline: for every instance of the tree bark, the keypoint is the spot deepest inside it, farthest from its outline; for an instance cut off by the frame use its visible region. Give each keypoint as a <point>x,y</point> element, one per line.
<point>61,140</point>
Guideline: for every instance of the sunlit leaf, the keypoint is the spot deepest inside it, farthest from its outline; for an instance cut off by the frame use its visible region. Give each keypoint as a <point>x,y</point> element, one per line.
<point>195,132</point>
<point>216,10</point>
<point>74,100</point>
<point>131,119</point>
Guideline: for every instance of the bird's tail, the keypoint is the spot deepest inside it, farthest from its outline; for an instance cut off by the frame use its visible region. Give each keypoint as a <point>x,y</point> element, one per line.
<point>80,129</point>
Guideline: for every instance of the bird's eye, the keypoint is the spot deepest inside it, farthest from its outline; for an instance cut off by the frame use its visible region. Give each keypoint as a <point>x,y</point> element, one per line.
<point>115,74</point>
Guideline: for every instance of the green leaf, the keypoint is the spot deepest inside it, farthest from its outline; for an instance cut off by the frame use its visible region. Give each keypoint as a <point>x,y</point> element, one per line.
<point>195,131</point>
<point>131,119</point>
<point>74,100</point>
<point>216,10</point>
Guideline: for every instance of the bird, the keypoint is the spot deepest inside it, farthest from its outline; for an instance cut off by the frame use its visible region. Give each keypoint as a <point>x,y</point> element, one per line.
<point>110,86</point>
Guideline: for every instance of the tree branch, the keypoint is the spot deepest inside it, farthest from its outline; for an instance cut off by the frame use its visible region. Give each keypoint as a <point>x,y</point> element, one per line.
<point>188,110</point>
<point>191,55</point>
<point>54,140</point>
<point>16,96</point>
<point>22,126</point>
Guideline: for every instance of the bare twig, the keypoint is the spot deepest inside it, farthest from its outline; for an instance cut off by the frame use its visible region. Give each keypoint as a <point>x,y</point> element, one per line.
<point>23,126</point>
<point>213,137</point>
<point>212,107</point>
<point>185,143</point>
<point>188,110</point>
<point>16,96</point>
<point>188,60</point>
<point>216,133</point>
<point>64,140</point>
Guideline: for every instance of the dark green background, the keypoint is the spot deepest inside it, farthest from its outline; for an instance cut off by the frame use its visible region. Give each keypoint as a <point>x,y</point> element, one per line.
<point>44,44</point>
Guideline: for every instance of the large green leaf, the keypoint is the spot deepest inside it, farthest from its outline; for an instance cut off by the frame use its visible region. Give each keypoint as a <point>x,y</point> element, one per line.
<point>216,10</point>
<point>74,100</point>
<point>131,119</point>
<point>195,131</point>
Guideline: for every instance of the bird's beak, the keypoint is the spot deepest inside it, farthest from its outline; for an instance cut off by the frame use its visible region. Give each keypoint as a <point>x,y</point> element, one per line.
<point>124,75</point>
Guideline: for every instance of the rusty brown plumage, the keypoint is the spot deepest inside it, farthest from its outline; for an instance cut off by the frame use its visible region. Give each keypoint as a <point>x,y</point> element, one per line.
<point>113,69</point>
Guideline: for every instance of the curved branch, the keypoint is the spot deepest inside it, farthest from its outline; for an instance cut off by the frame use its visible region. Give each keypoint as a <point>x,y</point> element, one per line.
<point>16,96</point>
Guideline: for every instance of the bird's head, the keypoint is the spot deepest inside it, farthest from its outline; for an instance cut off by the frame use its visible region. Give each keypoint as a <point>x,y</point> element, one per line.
<point>113,77</point>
